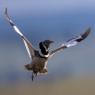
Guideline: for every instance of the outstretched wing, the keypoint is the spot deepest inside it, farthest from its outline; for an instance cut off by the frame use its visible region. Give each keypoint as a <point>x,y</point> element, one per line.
<point>72,42</point>
<point>28,45</point>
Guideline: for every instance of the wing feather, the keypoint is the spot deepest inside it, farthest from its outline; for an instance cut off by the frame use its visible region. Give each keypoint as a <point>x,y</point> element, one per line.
<point>28,45</point>
<point>72,42</point>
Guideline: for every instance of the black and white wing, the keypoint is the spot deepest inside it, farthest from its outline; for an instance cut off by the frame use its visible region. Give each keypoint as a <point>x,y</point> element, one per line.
<point>28,45</point>
<point>72,42</point>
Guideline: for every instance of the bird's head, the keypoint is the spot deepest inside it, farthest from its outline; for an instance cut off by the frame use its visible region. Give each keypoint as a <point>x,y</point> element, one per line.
<point>44,45</point>
<point>47,43</point>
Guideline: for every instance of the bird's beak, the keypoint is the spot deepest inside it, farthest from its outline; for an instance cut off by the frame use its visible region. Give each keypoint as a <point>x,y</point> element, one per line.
<point>51,41</point>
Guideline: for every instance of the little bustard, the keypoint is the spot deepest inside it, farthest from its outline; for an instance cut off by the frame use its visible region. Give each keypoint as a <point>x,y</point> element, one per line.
<point>40,58</point>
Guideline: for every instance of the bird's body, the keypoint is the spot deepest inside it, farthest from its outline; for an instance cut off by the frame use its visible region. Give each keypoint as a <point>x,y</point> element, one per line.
<point>40,58</point>
<point>37,64</point>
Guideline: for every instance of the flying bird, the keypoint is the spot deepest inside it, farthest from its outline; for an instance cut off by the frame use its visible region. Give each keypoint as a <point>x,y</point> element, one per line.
<point>39,58</point>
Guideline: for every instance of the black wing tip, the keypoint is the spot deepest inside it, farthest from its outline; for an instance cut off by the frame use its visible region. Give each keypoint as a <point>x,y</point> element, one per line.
<point>6,14</point>
<point>6,11</point>
<point>8,18</point>
<point>86,33</point>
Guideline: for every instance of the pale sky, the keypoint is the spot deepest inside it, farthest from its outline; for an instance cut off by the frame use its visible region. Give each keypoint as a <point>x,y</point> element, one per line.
<point>39,6</point>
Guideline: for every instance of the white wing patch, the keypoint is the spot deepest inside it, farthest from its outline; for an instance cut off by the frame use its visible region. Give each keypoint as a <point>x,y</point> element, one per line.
<point>17,30</point>
<point>27,48</point>
<point>70,44</point>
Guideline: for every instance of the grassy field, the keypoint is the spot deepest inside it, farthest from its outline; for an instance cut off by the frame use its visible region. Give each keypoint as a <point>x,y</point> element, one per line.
<point>78,86</point>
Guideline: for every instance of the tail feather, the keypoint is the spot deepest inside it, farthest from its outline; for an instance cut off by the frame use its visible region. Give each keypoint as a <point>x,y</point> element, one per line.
<point>28,67</point>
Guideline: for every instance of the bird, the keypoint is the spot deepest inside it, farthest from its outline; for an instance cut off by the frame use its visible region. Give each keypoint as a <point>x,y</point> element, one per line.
<point>39,58</point>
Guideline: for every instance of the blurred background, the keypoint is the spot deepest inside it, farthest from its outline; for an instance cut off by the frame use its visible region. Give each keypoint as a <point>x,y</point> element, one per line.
<point>71,72</point>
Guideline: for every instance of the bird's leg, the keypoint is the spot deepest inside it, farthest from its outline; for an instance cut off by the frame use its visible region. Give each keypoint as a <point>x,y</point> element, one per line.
<point>32,76</point>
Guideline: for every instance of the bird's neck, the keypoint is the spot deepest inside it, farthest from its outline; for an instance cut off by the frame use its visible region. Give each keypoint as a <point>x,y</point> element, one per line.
<point>44,50</point>
<point>44,53</point>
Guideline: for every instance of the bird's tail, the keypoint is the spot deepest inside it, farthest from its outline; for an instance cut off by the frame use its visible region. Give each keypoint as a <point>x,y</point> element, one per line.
<point>28,67</point>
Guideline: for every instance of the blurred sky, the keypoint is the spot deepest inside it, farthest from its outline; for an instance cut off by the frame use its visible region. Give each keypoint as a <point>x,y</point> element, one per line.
<point>58,20</point>
<point>37,6</point>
